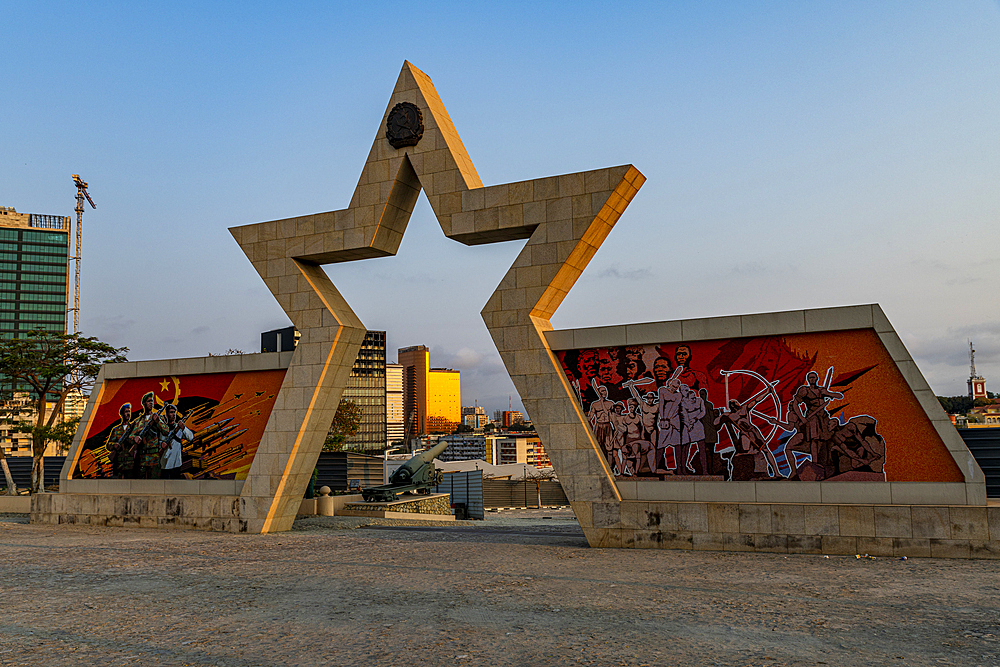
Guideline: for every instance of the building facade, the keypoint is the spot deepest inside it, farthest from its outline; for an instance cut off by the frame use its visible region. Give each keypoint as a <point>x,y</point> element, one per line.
<point>520,449</point>
<point>394,430</point>
<point>475,417</point>
<point>466,447</point>
<point>431,396</point>
<point>444,400</point>
<point>366,387</point>
<point>508,418</point>
<point>34,292</point>
<point>279,340</point>
<point>34,272</point>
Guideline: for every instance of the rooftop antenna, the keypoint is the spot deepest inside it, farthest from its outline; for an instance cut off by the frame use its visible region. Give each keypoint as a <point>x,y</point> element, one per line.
<point>972,361</point>
<point>81,192</point>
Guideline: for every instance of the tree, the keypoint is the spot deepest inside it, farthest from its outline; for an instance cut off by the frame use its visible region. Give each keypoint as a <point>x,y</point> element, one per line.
<point>539,475</point>
<point>464,428</point>
<point>345,424</point>
<point>521,428</point>
<point>11,486</point>
<point>956,405</point>
<point>48,366</point>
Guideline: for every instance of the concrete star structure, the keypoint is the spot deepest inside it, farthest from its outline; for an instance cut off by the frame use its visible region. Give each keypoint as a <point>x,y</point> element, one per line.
<point>565,219</point>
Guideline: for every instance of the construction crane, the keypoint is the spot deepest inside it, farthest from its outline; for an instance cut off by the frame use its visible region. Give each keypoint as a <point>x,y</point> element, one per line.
<point>81,192</point>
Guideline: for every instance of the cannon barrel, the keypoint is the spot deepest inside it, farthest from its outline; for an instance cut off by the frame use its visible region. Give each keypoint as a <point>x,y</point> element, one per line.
<point>411,469</point>
<point>428,456</point>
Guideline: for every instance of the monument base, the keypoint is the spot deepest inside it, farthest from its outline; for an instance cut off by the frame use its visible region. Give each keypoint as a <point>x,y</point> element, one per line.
<point>207,512</point>
<point>434,507</point>
<point>937,531</point>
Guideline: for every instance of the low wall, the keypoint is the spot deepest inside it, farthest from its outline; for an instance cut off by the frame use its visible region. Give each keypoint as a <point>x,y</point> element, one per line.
<point>198,512</point>
<point>879,530</point>
<point>15,504</point>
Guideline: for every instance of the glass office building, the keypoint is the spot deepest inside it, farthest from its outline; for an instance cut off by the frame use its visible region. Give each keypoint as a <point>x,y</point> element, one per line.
<point>34,272</point>
<point>366,387</point>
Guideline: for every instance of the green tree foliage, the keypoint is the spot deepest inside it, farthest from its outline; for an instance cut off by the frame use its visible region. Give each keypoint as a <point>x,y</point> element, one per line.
<point>521,428</point>
<point>345,424</point>
<point>464,428</point>
<point>48,366</point>
<point>955,405</point>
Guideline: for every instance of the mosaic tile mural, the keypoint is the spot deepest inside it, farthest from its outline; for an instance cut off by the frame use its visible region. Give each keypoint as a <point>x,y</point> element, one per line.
<point>178,427</point>
<point>810,407</point>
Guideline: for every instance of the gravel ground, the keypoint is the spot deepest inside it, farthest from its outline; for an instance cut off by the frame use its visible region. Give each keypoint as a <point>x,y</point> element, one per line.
<point>516,589</point>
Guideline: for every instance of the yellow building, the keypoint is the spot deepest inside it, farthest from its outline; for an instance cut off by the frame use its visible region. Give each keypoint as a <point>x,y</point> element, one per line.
<point>432,397</point>
<point>444,400</point>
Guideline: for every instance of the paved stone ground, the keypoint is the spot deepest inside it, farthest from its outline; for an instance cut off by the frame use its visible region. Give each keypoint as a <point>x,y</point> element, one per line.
<point>516,589</point>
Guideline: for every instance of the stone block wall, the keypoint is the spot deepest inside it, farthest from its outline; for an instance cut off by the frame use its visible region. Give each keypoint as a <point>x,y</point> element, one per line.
<point>958,531</point>
<point>198,512</point>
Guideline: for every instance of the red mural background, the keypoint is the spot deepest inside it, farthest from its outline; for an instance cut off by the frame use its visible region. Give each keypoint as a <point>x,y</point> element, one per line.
<point>859,420</point>
<point>226,412</point>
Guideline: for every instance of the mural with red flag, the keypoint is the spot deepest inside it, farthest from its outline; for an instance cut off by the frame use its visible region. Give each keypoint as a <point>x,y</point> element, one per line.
<point>810,407</point>
<point>204,426</point>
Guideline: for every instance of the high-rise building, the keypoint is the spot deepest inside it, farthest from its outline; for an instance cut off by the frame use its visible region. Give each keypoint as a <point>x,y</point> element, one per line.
<point>431,396</point>
<point>510,417</point>
<point>34,272</point>
<point>474,417</point>
<point>366,388</point>
<point>34,292</point>
<point>394,430</point>
<point>279,340</point>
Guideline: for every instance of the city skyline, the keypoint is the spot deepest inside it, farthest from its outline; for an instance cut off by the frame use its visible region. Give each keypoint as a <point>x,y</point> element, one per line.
<point>796,157</point>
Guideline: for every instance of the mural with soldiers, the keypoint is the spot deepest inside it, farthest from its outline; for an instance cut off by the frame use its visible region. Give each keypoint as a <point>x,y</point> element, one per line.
<point>178,427</point>
<point>808,407</point>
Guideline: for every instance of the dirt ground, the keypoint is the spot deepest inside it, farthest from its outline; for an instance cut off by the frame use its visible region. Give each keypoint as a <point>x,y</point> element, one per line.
<point>516,589</point>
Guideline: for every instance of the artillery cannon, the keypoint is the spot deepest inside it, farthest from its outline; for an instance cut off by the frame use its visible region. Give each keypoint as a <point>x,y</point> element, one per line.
<point>418,474</point>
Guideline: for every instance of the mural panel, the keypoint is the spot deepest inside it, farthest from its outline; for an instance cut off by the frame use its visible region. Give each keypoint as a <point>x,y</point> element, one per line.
<point>810,407</point>
<point>179,427</point>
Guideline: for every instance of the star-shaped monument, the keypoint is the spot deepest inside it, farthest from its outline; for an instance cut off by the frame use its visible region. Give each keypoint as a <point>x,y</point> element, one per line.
<point>564,219</point>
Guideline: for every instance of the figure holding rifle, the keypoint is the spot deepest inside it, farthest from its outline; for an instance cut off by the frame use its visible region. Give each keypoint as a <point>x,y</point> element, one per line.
<point>149,428</point>
<point>119,446</point>
<point>171,447</point>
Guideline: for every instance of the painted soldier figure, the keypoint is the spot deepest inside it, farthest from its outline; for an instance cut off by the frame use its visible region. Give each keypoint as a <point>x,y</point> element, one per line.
<point>120,447</point>
<point>147,431</point>
<point>171,447</point>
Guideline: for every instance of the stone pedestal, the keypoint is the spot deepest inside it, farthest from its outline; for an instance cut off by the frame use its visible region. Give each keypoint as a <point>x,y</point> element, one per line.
<point>435,507</point>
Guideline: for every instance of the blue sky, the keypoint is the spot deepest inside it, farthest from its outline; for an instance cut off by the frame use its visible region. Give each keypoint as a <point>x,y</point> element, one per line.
<point>797,154</point>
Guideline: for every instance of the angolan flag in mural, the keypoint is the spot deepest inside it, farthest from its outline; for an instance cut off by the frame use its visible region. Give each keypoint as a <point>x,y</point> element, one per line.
<point>205,426</point>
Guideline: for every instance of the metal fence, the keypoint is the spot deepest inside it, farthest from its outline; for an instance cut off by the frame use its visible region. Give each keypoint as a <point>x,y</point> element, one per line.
<point>338,469</point>
<point>984,443</point>
<point>466,488</point>
<point>20,470</point>
<point>521,493</point>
